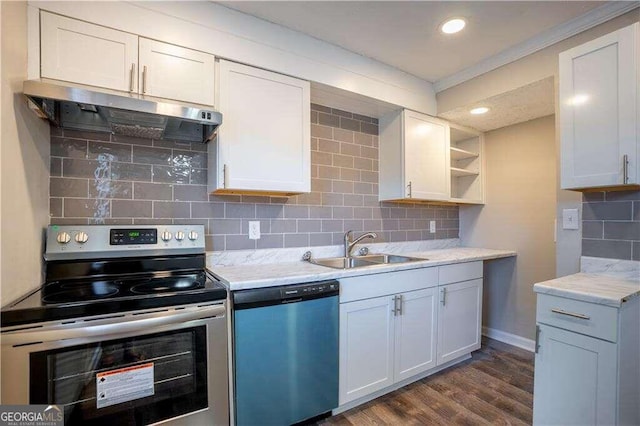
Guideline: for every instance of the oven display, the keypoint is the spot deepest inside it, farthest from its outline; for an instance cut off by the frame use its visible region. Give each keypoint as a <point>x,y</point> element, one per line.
<point>119,237</point>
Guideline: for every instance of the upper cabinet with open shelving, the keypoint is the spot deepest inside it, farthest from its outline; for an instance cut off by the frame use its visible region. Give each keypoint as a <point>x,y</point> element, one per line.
<point>466,165</point>
<point>423,159</point>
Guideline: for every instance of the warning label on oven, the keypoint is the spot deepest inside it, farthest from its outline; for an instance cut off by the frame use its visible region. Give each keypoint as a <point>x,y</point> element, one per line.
<point>124,384</point>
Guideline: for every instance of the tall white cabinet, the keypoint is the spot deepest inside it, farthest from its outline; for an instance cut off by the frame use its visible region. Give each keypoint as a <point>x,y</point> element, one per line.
<point>599,107</point>
<point>264,144</point>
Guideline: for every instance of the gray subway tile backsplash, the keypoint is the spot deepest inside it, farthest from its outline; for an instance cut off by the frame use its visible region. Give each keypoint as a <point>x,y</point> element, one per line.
<point>97,178</point>
<point>611,224</point>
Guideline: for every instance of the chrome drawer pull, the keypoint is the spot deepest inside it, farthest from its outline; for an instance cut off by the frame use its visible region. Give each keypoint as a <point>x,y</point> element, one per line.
<point>570,314</point>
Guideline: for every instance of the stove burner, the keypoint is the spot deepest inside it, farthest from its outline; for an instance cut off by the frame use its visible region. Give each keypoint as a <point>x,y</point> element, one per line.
<point>169,284</point>
<point>81,291</point>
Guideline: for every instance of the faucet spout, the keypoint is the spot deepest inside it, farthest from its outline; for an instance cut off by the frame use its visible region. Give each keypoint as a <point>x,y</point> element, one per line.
<point>349,243</point>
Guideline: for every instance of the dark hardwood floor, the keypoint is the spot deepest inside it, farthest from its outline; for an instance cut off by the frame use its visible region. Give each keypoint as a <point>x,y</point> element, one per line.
<point>494,387</point>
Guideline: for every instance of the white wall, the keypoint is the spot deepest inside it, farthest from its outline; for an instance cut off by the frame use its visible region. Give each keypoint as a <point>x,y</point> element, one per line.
<point>24,164</point>
<point>215,29</point>
<point>520,185</point>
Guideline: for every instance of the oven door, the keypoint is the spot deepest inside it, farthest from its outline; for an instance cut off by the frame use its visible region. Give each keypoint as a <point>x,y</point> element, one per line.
<point>166,365</point>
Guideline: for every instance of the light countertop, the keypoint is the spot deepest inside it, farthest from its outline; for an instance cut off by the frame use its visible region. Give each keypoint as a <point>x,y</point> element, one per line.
<point>241,277</point>
<point>594,288</point>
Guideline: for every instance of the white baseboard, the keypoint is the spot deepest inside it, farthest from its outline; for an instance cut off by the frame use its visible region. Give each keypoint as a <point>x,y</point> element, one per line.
<point>510,339</point>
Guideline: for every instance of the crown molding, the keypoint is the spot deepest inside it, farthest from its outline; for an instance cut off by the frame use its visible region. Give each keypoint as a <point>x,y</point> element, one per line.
<point>552,36</point>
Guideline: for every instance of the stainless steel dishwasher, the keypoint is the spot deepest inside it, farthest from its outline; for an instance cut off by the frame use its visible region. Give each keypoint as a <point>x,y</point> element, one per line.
<point>286,353</point>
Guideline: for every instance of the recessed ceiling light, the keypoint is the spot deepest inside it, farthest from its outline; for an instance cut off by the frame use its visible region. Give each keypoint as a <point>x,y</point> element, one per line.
<point>453,25</point>
<point>479,110</point>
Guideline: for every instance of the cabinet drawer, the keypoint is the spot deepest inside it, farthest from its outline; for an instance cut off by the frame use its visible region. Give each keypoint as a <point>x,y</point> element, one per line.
<point>460,272</point>
<point>582,317</point>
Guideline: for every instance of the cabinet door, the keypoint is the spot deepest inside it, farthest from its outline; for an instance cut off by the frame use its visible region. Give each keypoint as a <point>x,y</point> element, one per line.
<point>264,142</point>
<point>366,347</point>
<point>426,157</point>
<point>575,379</point>
<point>89,54</point>
<point>173,72</point>
<point>415,333</point>
<point>598,101</point>
<point>459,319</point>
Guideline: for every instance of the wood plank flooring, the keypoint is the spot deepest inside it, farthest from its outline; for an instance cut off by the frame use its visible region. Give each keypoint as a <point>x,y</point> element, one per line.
<point>494,387</point>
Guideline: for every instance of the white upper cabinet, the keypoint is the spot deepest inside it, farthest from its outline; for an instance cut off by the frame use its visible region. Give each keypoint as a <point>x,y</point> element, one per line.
<point>414,157</point>
<point>599,112</point>
<point>174,72</point>
<point>264,143</point>
<point>84,53</point>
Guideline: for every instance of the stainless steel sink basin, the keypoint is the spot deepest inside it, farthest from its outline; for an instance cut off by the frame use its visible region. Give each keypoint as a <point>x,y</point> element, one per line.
<point>363,261</point>
<point>343,262</point>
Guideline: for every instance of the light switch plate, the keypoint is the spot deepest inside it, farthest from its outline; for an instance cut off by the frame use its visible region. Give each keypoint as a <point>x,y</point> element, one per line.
<point>570,219</point>
<point>432,226</point>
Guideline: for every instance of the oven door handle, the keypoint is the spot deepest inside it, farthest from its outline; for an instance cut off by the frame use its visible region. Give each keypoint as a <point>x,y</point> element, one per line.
<point>110,326</point>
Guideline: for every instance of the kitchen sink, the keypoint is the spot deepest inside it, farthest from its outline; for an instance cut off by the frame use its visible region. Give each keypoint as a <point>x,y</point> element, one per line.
<point>363,261</point>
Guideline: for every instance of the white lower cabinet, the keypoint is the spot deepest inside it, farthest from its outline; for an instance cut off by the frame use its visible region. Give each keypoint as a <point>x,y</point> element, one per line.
<point>574,379</point>
<point>366,347</point>
<point>459,319</point>
<point>385,340</point>
<point>393,326</point>
<point>587,364</point>
<point>415,333</point>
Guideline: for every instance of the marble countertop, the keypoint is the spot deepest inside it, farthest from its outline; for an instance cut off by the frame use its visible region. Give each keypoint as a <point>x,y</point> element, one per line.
<point>594,288</point>
<point>242,277</point>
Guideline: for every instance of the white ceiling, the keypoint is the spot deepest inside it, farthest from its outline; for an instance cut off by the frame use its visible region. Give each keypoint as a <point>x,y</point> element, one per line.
<point>405,34</point>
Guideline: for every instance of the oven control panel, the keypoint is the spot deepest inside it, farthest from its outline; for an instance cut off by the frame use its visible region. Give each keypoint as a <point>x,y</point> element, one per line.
<point>87,241</point>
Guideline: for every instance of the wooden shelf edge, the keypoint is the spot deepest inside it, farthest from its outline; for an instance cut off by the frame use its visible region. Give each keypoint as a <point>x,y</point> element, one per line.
<point>462,172</point>
<point>461,154</point>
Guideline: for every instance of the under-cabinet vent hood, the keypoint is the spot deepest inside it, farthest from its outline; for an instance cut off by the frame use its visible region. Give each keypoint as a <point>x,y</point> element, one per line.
<point>102,110</point>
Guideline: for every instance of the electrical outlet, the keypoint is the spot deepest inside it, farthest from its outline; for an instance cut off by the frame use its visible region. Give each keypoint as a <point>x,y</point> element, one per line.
<point>254,230</point>
<point>432,226</point>
<point>570,219</point>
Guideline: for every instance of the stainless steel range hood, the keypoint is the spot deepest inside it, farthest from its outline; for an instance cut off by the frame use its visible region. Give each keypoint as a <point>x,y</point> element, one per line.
<point>102,110</point>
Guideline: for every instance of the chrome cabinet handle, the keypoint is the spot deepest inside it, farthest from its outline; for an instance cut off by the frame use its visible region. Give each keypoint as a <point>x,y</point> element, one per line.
<point>144,79</point>
<point>409,190</point>
<point>400,304</point>
<point>225,175</point>
<point>132,74</point>
<point>570,314</point>
<point>395,306</point>
<point>625,169</point>
<point>111,326</point>
<point>537,344</point>
<point>443,296</point>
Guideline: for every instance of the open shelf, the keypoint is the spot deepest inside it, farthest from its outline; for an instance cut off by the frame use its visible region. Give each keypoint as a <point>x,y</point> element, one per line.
<point>466,165</point>
<point>462,172</point>
<point>462,154</point>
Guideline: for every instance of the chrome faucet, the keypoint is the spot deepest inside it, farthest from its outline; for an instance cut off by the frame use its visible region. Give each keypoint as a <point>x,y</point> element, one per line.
<point>349,243</point>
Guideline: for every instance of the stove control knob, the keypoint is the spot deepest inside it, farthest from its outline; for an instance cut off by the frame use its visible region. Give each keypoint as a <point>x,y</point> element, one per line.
<point>193,235</point>
<point>179,235</point>
<point>166,236</point>
<point>81,237</point>
<point>63,237</point>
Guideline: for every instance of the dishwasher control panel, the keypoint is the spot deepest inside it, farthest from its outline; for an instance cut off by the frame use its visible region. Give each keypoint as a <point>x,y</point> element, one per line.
<point>308,289</point>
